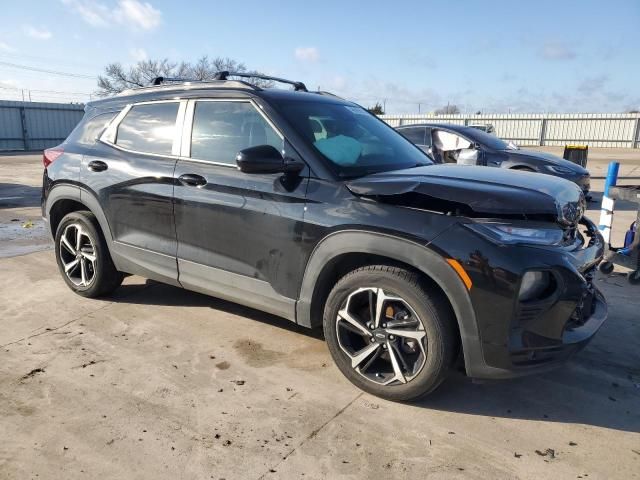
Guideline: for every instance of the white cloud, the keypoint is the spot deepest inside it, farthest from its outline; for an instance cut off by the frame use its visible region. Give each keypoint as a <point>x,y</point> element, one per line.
<point>92,12</point>
<point>138,54</point>
<point>307,54</point>
<point>10,83</point>
<point>592,85</point>
<point>39,34</point>
<point>557,51</point>
<point>5,47</point>
<point>138,14</point>
<point>132,13</point>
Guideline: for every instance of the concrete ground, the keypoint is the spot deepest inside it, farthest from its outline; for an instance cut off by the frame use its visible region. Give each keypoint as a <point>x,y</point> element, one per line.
<point>158,382</point>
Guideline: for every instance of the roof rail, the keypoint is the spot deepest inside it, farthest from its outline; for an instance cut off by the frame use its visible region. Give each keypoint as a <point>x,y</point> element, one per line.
<point>328,94</point>
<point>224,75</point>
<point>160,80</point>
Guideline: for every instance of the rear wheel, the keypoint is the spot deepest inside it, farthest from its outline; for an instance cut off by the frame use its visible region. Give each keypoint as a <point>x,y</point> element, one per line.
<point>634,277</point>
<point>83,257</point>
<point>389,335</point>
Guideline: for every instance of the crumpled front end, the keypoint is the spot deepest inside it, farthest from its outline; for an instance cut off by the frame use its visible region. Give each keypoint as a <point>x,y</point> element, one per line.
<point>521,334</point>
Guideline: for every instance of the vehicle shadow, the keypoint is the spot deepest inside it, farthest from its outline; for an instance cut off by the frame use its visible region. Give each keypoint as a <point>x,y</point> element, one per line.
<point>155,293</point>
<point>600,386</point>
<point>13,195</point>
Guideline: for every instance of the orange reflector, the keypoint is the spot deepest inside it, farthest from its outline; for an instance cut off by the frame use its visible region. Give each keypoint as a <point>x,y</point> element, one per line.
<point>460,271</point>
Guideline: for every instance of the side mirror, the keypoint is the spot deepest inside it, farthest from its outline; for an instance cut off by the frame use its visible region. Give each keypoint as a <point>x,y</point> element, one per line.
<point>266,159</point>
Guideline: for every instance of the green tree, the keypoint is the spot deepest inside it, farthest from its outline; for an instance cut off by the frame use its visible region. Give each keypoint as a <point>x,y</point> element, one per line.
<point>376,109</point>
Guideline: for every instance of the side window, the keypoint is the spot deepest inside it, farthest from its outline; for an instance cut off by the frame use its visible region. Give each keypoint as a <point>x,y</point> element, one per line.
<point>87,131</point>
<point>414,134</point>
<point>221,129</point>
<point>149,128</point>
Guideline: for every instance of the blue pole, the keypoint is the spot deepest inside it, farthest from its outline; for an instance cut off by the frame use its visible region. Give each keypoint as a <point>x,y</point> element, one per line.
<point>606,210</point>
<point>612,177</point>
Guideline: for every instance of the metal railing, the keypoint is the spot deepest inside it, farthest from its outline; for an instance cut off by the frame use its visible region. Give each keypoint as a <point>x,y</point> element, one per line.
<point>596,130</point>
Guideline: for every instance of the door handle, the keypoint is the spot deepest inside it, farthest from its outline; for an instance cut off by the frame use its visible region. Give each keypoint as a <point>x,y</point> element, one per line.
<point>97,166</point>
<point>192,180</point>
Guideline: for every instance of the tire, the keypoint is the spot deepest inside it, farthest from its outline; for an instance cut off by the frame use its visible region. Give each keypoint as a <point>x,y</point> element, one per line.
<point>634,277</point>
<point>100,276</point>
<point>422,360</point>
<point>606,267</point>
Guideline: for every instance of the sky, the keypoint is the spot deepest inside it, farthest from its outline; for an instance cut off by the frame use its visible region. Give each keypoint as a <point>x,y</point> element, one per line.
<point>411,56</point>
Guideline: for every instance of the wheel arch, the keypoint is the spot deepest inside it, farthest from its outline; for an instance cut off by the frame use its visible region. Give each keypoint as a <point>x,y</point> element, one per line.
<point>64,199</point>
<point>346,250</point>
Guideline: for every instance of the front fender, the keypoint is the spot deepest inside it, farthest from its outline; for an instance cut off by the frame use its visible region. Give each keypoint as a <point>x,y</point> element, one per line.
<point>402,250</point>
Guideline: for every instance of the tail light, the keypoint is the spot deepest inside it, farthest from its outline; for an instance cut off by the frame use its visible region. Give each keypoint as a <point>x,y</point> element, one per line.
<point>50,155</point>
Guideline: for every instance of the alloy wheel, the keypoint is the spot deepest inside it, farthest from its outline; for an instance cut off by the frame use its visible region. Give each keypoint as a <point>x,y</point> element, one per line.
<point>382,335</point>
<point>78,255</point>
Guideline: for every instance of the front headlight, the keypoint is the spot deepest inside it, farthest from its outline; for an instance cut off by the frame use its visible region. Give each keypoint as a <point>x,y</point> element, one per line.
<point>509,235</point>
<point>560,170</point>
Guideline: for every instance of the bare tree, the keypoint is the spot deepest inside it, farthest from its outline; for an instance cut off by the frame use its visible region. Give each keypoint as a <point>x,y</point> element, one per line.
<point>117,78</point>
<point>448,110</point>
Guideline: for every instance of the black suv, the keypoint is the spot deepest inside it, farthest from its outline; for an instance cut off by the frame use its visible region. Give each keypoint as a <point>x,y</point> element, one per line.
<point>470,145</point>
<point>306,206</point>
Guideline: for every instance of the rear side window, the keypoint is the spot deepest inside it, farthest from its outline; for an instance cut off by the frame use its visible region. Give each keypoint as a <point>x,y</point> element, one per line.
<point>414,134</point>
<point>149,128</point>
<point>87,132</point>
<point>222,129</point>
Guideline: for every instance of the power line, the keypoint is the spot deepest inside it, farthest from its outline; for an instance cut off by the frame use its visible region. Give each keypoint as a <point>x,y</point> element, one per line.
<point>44,60</point>
<point>45,91</point>
<point>43,70</point>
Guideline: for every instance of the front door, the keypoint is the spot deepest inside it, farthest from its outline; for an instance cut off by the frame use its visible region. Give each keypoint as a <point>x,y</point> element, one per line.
<point>238,233</point>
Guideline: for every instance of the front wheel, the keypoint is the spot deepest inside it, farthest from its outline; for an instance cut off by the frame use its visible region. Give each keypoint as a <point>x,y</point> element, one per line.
<point>388,334</point>
<point>83,257</point>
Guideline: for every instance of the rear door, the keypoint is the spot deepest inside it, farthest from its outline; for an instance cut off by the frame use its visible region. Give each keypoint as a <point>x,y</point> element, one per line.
<point>239,234</point>
<point>131,172</point>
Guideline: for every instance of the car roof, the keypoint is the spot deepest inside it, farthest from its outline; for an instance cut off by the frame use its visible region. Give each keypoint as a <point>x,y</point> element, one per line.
<point>447,126</point>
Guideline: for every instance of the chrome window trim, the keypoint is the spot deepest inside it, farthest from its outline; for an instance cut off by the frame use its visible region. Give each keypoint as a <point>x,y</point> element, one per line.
<point>185,153</point>
<point>181,147</point>
<point>109,136</point>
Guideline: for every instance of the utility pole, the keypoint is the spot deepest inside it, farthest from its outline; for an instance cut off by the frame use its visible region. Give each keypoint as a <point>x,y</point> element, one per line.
<point>384,105</point>
<point>29,91</point>
<point>418,109</point>
<point>22,91</point>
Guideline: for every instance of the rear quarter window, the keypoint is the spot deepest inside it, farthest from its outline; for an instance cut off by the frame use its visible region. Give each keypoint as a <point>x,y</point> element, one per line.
<point>88,130</point>
<point>149,128</point>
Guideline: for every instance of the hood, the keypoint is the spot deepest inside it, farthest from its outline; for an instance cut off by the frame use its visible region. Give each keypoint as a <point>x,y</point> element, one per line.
<point>476,191</point>
<point>547,158</point>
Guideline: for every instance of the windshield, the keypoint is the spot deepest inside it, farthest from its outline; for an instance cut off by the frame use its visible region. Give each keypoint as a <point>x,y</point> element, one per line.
<point>486,139</point>
<point>351,139</point>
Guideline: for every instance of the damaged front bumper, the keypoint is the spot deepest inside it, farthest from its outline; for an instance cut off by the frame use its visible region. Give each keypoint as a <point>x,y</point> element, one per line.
<point>522,337</point>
